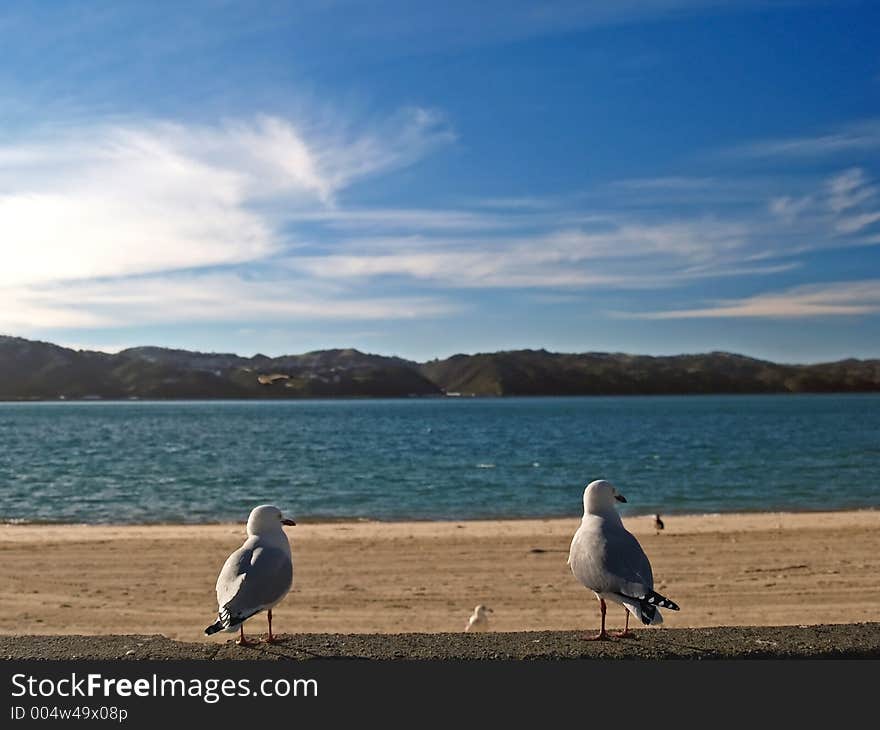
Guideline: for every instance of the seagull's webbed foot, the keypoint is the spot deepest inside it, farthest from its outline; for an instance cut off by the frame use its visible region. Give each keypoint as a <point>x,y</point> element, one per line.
<point>242,640</point>
<point>273,639</point>
<point>601,636</point>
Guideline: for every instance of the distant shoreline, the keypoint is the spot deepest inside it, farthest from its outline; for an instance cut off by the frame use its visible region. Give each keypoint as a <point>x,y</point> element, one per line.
<point>353,520</point>
<point>450,398</point>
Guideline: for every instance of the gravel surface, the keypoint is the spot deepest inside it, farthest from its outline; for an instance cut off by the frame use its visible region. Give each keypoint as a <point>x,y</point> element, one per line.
<point>766,642</point>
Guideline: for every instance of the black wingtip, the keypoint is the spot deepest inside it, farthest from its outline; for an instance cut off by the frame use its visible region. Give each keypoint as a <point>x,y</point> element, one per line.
<point>654,599</point>
<point>214,628</point>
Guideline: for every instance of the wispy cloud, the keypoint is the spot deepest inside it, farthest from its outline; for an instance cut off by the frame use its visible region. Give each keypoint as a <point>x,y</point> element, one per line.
<point>854,137</point>
<point>122,200</point>
<point>674,182</point>
<point>389,220</point>
<point>248,220</point>
<point>846,203</point>
<point>825,300</point>
<point>86,212</point>
<point>189,297</point>
<point>850,189</point>
<point>622,254</point>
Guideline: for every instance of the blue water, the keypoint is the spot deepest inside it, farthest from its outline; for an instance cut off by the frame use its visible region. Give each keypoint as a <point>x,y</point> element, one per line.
<point>435,459</point>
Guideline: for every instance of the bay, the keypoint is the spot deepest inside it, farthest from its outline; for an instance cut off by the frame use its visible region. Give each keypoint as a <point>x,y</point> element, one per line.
<point>451,459</point>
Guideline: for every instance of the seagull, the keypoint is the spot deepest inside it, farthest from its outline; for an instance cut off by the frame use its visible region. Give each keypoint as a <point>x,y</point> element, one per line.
<point>609,561</point>
<point>257,576</point>
<point>478,620</point>
<point>658,523</point>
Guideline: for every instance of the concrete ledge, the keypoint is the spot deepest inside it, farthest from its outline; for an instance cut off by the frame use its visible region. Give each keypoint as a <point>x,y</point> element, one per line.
<point>838,641</point>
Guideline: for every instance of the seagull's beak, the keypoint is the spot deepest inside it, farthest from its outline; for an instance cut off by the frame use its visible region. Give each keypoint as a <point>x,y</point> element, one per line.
<point>620,498</point>
<point>490,610</point>
<point>289,522</point>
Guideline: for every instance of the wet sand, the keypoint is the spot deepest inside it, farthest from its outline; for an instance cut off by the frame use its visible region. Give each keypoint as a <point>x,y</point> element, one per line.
<point>763,569</point>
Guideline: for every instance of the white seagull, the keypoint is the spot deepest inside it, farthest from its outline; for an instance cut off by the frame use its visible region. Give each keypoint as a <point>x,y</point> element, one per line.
<point>257,576</point>
<point>608,560</point>
<point>478,620</point>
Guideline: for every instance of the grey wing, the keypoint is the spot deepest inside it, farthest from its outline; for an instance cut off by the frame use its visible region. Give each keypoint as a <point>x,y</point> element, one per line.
<point>586,559</point>
<point>627,562</point>
<point>253,578</point>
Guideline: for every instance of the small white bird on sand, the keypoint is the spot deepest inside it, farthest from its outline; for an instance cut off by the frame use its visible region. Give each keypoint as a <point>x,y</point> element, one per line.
<point>479,620</point>
<point>257,576</point>
<point>608,560</point>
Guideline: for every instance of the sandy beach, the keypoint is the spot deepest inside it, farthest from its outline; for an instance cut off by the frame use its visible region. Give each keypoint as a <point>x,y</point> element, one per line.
<point>770,569</point>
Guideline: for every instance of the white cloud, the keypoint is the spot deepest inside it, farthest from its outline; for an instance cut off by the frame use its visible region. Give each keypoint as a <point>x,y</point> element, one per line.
<point>834,299</point>
<point>213,297</point>
<point>847,203</point>
<point>95,221</point>
<point>854,137</point>
<point>679,183</point>
<point>126,200</point>
<point>156,223</point>
<point>456,269</point>
<point>367,221</point>
<point>855,223</point>
<point>789,208</point>
<point>850,189</point>
<point>622,254</point>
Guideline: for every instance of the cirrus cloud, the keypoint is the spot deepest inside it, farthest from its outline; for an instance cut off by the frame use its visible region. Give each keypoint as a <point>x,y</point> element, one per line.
<point>116,200</point>
<point>822,300</point>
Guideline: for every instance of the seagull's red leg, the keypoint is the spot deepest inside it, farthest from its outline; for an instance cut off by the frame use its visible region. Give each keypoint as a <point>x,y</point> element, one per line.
<point>601,636</point>
<point>270,639</point>
<point>626,632</point>
<point>242,641</point>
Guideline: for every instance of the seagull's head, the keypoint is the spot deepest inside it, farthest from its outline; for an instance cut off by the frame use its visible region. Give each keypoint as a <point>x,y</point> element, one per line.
<point>266,518</point>
<point>600,496</point>
<point>481,610</point>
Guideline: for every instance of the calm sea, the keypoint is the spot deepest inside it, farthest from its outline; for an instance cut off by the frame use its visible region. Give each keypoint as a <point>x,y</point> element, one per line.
<point>434,459</point>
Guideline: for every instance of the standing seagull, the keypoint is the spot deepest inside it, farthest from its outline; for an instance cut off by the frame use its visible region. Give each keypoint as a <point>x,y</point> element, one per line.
<point>257,576</point>
<point>478,620</point>
<point>610,562</point>
<point>658,524</point>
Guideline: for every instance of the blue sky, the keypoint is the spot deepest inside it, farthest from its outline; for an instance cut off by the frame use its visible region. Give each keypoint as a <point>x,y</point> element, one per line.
<point>655,177</point>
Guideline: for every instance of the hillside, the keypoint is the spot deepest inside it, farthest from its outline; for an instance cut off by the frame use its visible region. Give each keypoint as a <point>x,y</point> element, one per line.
<point>31,370</point>
<point>538,372</point>
<point>36,370</point>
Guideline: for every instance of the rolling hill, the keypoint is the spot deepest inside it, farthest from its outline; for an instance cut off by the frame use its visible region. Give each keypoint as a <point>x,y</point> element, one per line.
<point>32,370</point>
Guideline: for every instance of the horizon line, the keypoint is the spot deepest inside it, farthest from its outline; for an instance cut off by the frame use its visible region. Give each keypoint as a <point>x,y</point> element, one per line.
<point>441,358</point>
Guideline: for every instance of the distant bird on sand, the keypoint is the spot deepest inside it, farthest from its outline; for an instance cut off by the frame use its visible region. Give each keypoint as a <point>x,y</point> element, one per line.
<point>658,523</point>
<point>257,576</point>
<point>479,621</point>
<point>608,560</point>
